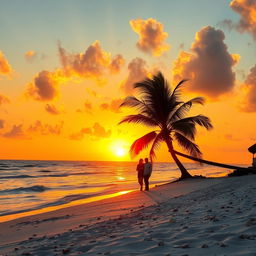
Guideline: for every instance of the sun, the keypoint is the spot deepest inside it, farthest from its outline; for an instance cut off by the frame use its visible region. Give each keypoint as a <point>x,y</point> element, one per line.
<point>120,152</point>
<point>119,148</point>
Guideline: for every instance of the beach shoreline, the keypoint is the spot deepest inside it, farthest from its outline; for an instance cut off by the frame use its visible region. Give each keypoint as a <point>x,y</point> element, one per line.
<point>137,211</point>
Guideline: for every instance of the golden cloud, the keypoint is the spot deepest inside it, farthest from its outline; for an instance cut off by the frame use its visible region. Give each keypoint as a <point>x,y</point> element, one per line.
<point>5,67</point>
<point>97,131</point>
<point>208,65</point>
<point>3,99</point>
<point>45,129</point>
<point>247,11</point>
<point>113,105</point>
<point>151,36</point>
<point>93,63</point>
<point>45,85</point>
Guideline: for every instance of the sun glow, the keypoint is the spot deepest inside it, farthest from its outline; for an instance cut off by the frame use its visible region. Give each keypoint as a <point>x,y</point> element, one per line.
<point>119,149</point>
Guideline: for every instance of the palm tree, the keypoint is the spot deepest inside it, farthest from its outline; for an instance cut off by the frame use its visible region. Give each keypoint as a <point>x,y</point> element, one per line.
<point>161,107</point>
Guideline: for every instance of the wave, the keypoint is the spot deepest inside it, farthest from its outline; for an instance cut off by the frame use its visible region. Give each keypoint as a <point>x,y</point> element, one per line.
<point>44,171</point>
<point>36,188</point>
<point>63,200</point>
<point>9,169</point>
<point>17,177</point>
<point>24,176</point>
<point>28,165</point>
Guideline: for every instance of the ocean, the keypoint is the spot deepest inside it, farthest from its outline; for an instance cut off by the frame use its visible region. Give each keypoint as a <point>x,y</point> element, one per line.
<point>31,185</point>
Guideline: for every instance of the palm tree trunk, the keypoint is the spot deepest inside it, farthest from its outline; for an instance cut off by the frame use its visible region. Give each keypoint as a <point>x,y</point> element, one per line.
<point>184,173</point>
<point>208,162</point>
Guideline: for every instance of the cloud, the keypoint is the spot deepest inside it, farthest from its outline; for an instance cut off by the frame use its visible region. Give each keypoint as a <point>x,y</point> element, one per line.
<point>247,11</point>
<point>1,123</point>
<point>4,99</point>
<point>151,36</point>
<point>208,65</point>
<point>96,131</point>
<point>5,67</point>
<point>30,56</point>
<point>249,104</point>
<point>15,132</point>
<point>116,64</point>
<point>87,108</point>
<point>99,131</point>
<point>45,129</point>
<point>45,85</point>
<point>112,106</point>
<point>50,108</point>
<point>93,63</point>
<point>137,72</point>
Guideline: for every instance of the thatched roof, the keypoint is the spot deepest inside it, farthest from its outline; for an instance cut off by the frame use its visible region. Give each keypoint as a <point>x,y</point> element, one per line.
<point>252,149</point>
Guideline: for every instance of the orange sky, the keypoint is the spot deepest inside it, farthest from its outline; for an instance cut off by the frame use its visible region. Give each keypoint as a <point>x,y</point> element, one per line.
<point>61,83</point>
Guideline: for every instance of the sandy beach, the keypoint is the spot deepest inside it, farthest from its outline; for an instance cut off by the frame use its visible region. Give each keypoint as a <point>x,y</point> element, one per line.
<point>194,217</point>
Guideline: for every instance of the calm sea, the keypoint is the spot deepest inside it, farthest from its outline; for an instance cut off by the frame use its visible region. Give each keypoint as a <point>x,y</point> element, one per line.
<point>31,185</point>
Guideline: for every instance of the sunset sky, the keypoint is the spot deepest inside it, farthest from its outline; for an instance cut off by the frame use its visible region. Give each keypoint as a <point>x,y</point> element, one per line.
<point>66,66</point>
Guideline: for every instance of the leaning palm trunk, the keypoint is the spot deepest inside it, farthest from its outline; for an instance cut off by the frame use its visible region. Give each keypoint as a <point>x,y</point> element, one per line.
<point>208,162</point>
<point>184,173</point>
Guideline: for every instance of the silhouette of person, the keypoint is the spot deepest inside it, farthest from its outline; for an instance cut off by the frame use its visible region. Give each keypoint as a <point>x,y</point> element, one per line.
<point>140,170</point>
<point>147,173</point>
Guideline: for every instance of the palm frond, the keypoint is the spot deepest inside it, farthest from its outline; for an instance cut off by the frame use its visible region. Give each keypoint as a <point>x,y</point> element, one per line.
<point>159,138</point>
<point>131,101</point>
<point>141,106</point>
<point>188,145</point>
<point>188,129</point>
<point>142,143</point>
<point>182,109</point>
<point>156,94</point>
<point>174,98</point>
<point>201,120</point>
<point>139,118</point>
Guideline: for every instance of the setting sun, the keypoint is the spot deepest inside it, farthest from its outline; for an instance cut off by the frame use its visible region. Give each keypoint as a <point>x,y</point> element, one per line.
<point>119,148</point>
<point>120,152</point>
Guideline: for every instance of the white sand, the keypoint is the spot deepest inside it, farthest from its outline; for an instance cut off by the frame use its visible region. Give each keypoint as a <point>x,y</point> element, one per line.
<point>194,217</point>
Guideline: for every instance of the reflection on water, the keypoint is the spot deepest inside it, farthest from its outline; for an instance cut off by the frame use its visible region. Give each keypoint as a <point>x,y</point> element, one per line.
<point>33,185</point>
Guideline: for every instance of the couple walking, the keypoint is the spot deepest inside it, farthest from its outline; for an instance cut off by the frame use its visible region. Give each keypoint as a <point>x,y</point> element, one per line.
<point>144,171</point>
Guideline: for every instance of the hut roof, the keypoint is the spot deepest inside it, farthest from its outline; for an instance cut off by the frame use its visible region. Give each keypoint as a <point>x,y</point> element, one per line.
<point>252,149</point>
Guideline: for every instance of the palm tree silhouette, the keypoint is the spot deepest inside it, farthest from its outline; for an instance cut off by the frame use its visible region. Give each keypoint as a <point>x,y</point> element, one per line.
<point>161,107</point>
